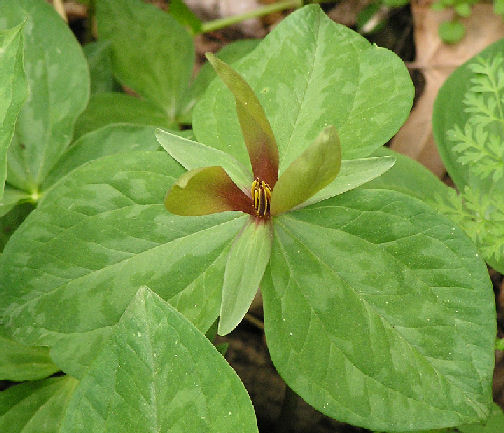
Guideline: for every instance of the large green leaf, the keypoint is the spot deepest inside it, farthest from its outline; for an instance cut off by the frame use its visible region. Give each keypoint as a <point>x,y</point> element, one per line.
<point>70,270</point>
<point>159,374</point>
<point>12,91</point>
<point>151,52</point>
<point>111,139</point>
<point>379,313</point>
<point>106,108</point>
<point>310,72</point>
<point>35,407</point>
<point>19,362</point>
<point>468,121</point>
<point>58,80</point>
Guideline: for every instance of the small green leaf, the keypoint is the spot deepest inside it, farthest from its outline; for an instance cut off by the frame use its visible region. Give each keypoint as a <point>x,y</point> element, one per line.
<point>107,108</point>
<point>205,191</point>
<point>245,266</point>
<point>99,57</point>
<point>110,139</point>
<point>13,90</point>
<point>151,52</point>
<point>313,170</point>
<point>499,7</point>
<point>191,154</point>
<point>185,16</point>
<point>58,79</point>
<point>451,32</point>
<point>19,362</point>
<point>463,9</point>
<point>494,423</point>
<point>36,407</point>
<point>256,129</point>
<point>353,173</point>
<point>12,219</point>
<point>11,198</point>
<point>158,373</point>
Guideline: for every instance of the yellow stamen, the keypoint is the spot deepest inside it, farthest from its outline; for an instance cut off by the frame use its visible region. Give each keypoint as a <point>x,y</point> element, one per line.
<point>261,195</point>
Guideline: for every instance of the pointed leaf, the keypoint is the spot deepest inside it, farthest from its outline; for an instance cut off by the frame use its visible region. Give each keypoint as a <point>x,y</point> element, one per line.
<point>36,407</point>
<point>309,73</point>
<point>19,362</point>
<point>13,90</point>
<point>245,266</point>
<point>107,108</point>
<point>58,79</point>
<point>256,129</point>
<point>191,154</point>
<point>353,173</point>
<point>70,270</point>
<point>205,191</point>
<point>151,52</point>
<point>393,301</point>
<point>159,374</point>
<point>313,170</point>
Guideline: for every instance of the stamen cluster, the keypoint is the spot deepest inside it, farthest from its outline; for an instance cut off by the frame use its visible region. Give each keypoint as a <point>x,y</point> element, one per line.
<point>261,196</point>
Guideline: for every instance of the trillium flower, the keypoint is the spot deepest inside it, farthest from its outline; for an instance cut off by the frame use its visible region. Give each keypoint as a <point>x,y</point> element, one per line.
<point>262,193</point>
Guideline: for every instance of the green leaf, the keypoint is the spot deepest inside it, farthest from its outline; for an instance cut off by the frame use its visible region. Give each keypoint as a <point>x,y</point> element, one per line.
<point>99,57</point>
<point>35,407</point>
<point>451,32</point>
<point>392,301</point>
<point>58,80</point>
<point>499,7</point>
<point>11,220</point>
<point>180,382</point>
<point>310,73</point>
<point>353,173</point>
<point>463,9</point>
<point>107,108</point>
<point>494,424</point>
<point>256,129</point>
<point>185,16</point>
<point>205,191</point>
<point>191,154</point>
<point>19,362</point>
<point>70,270</point>
<point>11,198</point>
<point>13,90</point>
<point>152,53</point>
<point>229,53</point>
<point>313,170</point>
<point>111,139</point>
<point>245,266</point>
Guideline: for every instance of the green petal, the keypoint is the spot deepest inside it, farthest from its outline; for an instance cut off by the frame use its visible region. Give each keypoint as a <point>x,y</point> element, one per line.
<point>191,154</point>
<point>245,267</point>
<point>314,169</point>
<point>256,129</point>
<point>205,191</point>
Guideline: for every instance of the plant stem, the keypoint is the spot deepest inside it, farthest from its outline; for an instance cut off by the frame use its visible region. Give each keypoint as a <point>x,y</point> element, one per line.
<point>286,419</point>
<point>259,12</point>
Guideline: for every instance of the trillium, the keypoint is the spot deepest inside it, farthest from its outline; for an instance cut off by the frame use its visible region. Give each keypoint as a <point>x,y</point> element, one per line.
<point>263,193</point>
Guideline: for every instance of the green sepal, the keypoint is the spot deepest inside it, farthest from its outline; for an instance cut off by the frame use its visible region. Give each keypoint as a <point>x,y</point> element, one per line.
<point>245,267</point>
<point>256,129</point>
<point>353,173</point>
<point>204,191</point>
<point>313,170</point>
<point>191,154</point>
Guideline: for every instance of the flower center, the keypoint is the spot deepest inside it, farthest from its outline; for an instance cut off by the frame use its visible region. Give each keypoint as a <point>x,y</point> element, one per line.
<point>261,195</point>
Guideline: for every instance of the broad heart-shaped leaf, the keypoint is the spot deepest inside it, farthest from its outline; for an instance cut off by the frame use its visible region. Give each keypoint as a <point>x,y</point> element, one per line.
<point>353,173</point>
<point>204,191</point>
<point>245,266</point>
<point>378,312</point>
<point>35,407</point>
<point>191,154</point>
<point>158,373</point>
<point>12,91</point>
<point>58,80</point>
<point>308,73</point>
<point>151,52</point>
<point>313,170</point>
<point>114,107</point>
<point>111,139</point>
<point>255,127</point>
<point>19,362</point>
<point>70,270</point>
